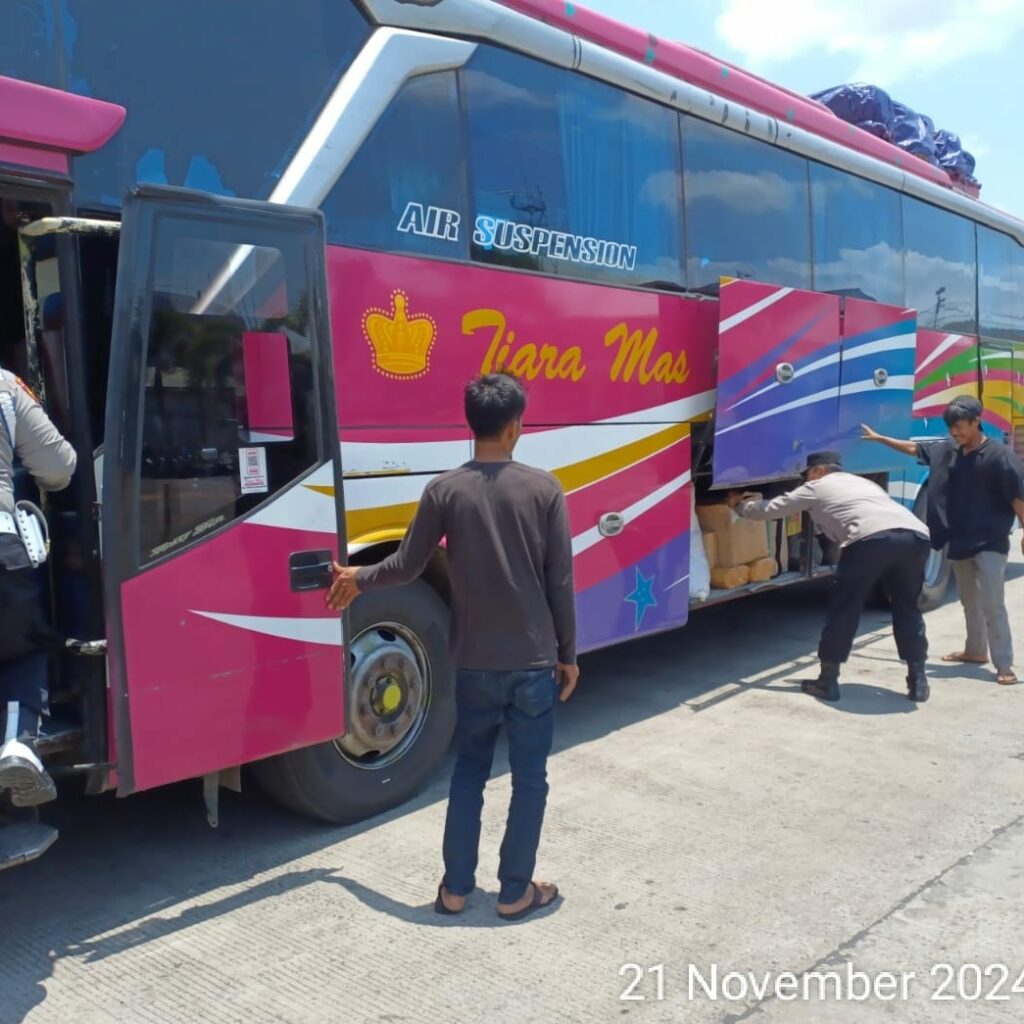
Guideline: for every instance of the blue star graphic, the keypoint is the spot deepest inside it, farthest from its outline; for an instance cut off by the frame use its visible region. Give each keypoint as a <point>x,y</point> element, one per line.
<point>642,598</point>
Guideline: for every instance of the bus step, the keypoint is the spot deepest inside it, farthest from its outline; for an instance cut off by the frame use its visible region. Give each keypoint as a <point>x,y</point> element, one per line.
<point>55,738</point>
<point>24,842</point>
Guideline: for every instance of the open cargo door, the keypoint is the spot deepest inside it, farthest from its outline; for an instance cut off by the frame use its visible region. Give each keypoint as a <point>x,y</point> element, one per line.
<point>799,372</point>
<point>876,383</point>
<point>779,355</point>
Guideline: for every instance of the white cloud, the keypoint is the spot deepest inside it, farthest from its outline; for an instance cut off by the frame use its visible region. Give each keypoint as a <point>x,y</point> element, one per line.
<point>891,41</point>
<point>763,192</point>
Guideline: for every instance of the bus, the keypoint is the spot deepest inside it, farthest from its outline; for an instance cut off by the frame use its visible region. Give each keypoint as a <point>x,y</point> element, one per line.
<point>248,263</point>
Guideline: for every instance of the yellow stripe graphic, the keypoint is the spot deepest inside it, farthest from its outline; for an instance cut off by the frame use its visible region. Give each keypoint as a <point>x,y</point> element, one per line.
<point>368,525</point>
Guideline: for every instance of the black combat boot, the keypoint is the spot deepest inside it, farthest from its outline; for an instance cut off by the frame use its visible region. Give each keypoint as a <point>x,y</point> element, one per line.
<point>917,682</point>
<point>826,687</point>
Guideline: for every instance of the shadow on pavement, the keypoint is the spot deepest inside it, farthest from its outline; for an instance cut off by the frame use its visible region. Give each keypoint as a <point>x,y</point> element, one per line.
<point>132,867</point>
<point>479,913</point>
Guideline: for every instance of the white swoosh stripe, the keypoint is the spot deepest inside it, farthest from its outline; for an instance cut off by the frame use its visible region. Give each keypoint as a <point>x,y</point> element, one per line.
<point>588,539</point>
<point>301,507</point>
<point>535,447</point>
<point>947,343</point>
<point>857,387</point>
<point>325,631</point>
<point>893,343</point>
<point>892,384</point>
<point>745,314</point>
<point>906,491</point>
<point>820,396</point>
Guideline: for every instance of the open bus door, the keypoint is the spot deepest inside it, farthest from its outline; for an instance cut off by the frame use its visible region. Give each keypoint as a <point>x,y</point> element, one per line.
<point>220,416</point>
<point>799,371</point>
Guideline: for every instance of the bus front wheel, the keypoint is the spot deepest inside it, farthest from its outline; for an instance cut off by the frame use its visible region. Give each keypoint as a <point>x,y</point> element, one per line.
<point>400,707</point>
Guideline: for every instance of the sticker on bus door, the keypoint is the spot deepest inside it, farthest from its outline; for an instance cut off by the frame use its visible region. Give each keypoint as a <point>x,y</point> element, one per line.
<point>252,467</point>
<point>778,380</point>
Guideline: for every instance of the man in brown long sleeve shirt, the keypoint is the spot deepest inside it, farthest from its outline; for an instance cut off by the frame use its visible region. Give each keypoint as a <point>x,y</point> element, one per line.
<point>513,633</point>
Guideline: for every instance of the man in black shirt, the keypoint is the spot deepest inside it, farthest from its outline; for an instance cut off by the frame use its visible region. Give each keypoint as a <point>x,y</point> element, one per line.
<point>975,489</point>
<point>513,633</point>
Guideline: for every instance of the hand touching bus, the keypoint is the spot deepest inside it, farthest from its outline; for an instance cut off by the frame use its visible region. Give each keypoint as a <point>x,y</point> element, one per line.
<point>345,588</point>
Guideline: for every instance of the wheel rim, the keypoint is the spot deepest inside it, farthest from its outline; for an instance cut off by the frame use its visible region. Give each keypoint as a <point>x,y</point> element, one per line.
<point>389,693</point>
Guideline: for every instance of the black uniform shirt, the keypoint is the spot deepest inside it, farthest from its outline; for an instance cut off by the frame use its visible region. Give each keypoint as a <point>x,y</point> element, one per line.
<point>971,495</point>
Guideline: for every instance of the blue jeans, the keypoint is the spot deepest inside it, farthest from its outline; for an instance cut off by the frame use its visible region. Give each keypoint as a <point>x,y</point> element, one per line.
<point>525,702</point>
<point>23,689</point>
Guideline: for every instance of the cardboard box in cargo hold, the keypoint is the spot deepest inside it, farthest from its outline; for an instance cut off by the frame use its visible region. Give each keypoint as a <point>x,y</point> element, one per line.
<point>729,579</point>
<point>737,541</point>
<point>763,570</point>
<point>710,549</point>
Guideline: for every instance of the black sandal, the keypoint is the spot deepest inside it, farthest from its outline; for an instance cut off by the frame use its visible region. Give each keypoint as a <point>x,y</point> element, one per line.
<point>440,908</point>
<point>537,903</point>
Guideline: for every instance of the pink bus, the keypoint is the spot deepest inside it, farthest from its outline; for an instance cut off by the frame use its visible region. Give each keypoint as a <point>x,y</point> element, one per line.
<point>317,222</point>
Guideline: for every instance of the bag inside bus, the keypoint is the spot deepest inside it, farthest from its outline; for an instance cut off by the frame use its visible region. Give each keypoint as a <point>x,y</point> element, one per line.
<point>60,600</point>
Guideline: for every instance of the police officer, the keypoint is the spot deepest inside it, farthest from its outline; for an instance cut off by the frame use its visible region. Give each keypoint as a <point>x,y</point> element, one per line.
<point>882,543</point>
<point>27,433</point>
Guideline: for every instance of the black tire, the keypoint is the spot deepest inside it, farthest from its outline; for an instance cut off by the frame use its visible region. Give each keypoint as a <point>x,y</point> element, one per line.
<point>322,781</point>
<point>939,570</point>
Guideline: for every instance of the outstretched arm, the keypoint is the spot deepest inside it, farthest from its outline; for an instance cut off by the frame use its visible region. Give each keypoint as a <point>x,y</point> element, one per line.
<point>798,500</point>
<point>895,443</point>
<point>403,566</point>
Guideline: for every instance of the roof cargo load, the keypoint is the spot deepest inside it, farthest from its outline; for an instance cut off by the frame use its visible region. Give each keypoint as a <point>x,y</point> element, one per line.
<point>872,109</point>
<point>866,106</point>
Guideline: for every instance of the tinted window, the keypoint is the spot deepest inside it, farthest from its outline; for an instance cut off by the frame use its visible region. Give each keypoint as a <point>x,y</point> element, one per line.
<point>747,209</point>
<point>940,265</point>
<point>229,404</point>
<point>858,237</point>
<point>405,189</point>
<point>218,97</point>
<point>1000,285</point>
<point>571,176</point>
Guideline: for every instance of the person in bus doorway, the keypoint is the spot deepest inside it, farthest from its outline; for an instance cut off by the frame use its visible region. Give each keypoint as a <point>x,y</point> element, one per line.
<point>27,434</point>
<point>513,634</point>
<point>881,544</point>
<point>975,490</point>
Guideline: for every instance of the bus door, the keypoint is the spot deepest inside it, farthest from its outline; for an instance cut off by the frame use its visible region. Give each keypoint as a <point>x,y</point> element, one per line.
<point>997,386</point>
<point>879,347</point>
<point>778,380</point>
<point>220,512</point>
<point>1017,400</point>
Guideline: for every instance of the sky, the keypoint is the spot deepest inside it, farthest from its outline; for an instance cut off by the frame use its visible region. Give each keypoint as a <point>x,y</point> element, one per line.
<point>958,61</point>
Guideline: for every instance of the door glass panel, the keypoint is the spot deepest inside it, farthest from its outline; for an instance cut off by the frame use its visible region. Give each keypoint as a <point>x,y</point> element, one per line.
<point>226,418</point>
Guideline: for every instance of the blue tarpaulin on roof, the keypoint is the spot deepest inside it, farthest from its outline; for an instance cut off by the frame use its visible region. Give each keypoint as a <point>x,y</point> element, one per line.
<point>875,111</point>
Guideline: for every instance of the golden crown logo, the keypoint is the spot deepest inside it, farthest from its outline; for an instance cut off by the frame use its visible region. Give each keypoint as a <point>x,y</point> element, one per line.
<point>401,346</point>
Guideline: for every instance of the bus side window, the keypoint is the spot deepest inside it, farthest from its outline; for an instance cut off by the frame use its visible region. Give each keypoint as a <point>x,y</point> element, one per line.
<point>940,267</point>
<point>571,176</point>
<point>747,209</point>
<point>405,190</point>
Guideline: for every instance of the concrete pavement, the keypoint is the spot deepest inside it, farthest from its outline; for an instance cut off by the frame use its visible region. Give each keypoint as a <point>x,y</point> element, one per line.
<point>704,816</point>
